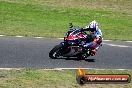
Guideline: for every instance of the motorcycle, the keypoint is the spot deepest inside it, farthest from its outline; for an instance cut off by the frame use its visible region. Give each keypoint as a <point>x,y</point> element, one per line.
<point>71,46</point>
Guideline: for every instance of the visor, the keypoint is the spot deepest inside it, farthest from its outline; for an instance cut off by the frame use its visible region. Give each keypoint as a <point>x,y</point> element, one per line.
<point>92,29</point>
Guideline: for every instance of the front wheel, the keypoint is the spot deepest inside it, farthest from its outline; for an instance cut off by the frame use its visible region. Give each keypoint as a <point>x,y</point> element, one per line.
<point>55,52</point>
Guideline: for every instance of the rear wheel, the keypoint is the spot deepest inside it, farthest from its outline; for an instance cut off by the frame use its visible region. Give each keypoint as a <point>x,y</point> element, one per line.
<point>55,52</point>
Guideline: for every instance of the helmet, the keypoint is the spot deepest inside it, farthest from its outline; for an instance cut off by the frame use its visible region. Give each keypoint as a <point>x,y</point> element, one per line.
<point>93,26</point>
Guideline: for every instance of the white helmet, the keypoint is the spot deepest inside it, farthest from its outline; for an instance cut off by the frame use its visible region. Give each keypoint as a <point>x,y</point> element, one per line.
<point>93,26</point>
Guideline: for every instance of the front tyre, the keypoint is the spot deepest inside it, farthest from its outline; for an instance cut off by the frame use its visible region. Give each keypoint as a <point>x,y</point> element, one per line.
<point>55,52</point>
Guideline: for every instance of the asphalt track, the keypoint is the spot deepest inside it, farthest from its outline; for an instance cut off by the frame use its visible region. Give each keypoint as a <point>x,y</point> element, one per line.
<point>32,52</point>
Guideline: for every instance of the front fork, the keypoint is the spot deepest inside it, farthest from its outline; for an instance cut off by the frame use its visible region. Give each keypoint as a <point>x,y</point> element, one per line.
<point>62,43</point>
<point>64,48</point>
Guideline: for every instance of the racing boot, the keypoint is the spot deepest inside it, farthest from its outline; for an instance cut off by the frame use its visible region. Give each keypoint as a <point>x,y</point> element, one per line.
<point>92,52</point>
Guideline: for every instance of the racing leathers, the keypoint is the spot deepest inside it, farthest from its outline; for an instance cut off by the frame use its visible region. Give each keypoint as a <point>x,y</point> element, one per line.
<point>93,40</point>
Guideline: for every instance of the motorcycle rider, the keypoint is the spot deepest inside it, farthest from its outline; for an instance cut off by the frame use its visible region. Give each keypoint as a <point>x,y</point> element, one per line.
<point>91,41</point>
<point>95,38</point>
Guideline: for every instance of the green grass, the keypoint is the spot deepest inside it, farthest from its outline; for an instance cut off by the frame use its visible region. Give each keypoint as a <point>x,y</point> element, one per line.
<point>39,78</point>
<point>49,18</point>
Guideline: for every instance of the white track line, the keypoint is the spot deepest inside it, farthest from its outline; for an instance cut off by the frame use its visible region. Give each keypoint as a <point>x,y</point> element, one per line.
<point>2,35</point>
<point>58,38</point>
<point>87,69</point>
<point>128,41</point>
<point>19,36</point>
<point>10,68</point>
<point>38,37</point>
<point>63,69</point>
<point>123,46</point>
<point>103,40</point>
<point>107,40</point>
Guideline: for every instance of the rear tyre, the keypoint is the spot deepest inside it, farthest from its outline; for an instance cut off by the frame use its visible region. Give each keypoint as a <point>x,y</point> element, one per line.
<point>55,52</point>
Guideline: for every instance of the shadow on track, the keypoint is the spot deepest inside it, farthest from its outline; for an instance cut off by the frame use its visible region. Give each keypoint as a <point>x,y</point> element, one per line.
<point>76,59</point>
